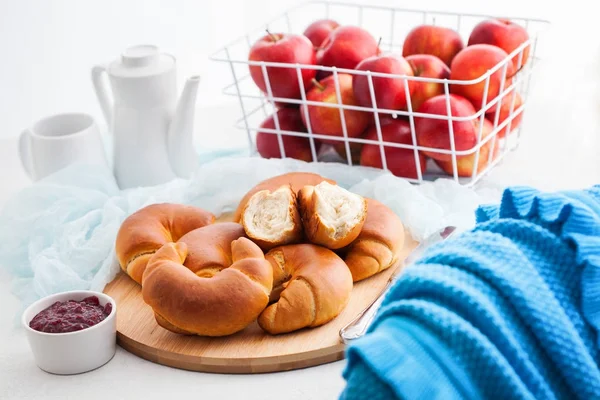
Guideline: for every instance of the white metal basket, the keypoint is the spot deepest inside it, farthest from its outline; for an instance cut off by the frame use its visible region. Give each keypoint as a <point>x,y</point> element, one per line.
<point>391,24</point>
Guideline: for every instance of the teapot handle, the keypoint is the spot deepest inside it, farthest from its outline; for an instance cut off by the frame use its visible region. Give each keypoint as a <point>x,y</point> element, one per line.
<point>103,93</point>
<point>25,152</point>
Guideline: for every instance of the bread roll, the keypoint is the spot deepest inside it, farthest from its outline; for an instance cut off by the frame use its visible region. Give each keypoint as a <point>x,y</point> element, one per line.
<point>212,282</point>
<point>148,229</point>
<point>332,216</point>
<point>297,180</point>
<point>312,286</point>
<point>272,219</point>
<point>378,245</point>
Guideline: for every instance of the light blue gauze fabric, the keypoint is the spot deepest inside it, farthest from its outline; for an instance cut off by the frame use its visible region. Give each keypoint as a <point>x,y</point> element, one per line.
<point>508,310</point>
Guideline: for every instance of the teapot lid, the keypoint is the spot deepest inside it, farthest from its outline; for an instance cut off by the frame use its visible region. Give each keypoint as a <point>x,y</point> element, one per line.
<point>141,61</point>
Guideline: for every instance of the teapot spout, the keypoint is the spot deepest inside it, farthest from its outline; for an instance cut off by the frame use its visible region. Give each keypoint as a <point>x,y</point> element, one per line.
<point>180,139</point>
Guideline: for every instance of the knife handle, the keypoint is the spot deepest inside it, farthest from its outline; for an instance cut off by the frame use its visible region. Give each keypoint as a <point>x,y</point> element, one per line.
<point>358,326</point>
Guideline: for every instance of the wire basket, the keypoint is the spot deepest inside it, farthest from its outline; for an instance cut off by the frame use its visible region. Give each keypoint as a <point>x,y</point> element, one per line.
<point>466,166</point>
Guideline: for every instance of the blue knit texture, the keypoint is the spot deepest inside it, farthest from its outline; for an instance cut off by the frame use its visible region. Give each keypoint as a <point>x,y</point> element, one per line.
<point>510,309</point>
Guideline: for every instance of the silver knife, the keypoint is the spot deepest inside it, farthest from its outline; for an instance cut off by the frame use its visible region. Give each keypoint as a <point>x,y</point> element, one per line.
<point>358,326</point>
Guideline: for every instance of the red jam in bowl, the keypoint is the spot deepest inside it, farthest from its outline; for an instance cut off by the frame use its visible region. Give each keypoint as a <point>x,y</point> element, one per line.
<point>70,316</point>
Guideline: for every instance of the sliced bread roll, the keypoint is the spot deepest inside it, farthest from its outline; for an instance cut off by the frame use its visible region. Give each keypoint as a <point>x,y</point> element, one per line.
<point>272,219</point>
<point>332,216</point>
<point>297,180</point>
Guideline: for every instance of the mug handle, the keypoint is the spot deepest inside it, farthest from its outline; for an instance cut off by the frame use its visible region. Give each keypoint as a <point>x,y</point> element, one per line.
<point>25,152</point>
<point>103,93</point>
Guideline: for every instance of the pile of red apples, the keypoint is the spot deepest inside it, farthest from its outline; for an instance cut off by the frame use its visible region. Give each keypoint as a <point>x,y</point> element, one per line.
<point>428,51</point>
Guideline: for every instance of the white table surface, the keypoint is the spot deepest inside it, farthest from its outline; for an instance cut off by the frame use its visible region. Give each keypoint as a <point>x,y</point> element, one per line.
<point>560,150</point>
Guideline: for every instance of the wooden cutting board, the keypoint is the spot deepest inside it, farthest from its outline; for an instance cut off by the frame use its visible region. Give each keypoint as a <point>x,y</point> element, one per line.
<point>249,351</point>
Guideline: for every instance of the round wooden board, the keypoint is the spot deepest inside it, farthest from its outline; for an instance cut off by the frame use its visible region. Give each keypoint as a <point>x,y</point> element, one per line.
<point>249,351</point>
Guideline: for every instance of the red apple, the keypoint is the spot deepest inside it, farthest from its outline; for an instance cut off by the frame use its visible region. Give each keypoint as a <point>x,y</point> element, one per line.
<point>346,46</point>
<point>283,104</point>
<point>504,110</point>
<point>438,41</point>
<point>472,63</point>
<point>435,133</point>
<point>390,93</point>
<point>400,162</point>
<point>466,164</point>
<point>283,48</point>
<point>327,120</point>
<point>502,33</point>
<point>318,31</point>
<point>296,147</point>
<point>355,149</point>
<point>427,66</point>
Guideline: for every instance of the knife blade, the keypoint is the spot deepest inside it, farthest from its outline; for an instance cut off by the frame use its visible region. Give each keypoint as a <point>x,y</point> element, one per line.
<point>358,326</point>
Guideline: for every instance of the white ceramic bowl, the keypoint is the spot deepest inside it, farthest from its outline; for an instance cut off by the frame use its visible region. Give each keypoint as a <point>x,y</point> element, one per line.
<point>72,352</point>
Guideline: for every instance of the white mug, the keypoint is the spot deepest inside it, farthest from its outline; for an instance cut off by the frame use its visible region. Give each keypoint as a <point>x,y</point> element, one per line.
<point>58,141</point>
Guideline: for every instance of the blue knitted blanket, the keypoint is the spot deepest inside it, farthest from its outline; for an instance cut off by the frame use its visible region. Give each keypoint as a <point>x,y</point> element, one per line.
<point>508,310</point>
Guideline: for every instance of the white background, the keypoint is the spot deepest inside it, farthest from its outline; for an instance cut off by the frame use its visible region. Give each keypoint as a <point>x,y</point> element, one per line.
<point>48,47</point>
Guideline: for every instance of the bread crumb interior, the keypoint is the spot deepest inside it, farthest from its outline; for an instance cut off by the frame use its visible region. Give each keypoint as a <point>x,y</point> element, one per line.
<point>268,214</point>
<point>338,208</point>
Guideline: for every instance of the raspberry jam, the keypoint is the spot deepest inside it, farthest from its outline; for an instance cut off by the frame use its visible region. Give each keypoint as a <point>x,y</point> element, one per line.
<point>70,316</point>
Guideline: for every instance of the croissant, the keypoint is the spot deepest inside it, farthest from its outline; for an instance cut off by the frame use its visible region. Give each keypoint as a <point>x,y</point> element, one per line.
<point>212,282</point>
<point>378,245</point>
<point>148,229</point>
<point>311,286</point>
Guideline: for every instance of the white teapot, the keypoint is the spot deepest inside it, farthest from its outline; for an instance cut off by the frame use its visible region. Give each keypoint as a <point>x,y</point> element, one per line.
<point>152,130</point>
